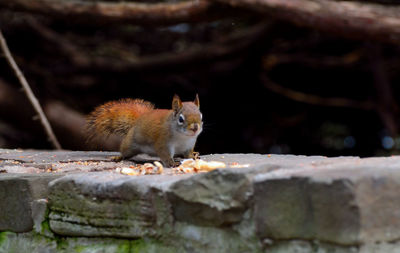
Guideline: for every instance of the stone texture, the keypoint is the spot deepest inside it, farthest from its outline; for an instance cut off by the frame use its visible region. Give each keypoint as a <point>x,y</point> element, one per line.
<point>218,198</point>
<point>33,161</point>
<point>47,157</point>
<point>30,242</point>
<point>25,242</point>
<point>17,192</point>
<point>198,239</point>
<point>259,203</point>
<point>299,246</point>
<point>105,204</point>
<point>347,204</point>
<point>301,208</point>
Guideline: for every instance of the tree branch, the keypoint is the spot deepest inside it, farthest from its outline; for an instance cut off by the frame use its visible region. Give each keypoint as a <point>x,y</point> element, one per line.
<point>161,13</point>
<point>231,44</point>
<point>346,18</point>
<point>28,91</point>
<point>313,99</point>
<point>271,60</point>
<point>67,120</point>
<point>387,107</point>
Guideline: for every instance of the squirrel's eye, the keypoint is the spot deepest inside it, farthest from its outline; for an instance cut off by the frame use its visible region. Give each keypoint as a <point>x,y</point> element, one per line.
<point>181,119</point>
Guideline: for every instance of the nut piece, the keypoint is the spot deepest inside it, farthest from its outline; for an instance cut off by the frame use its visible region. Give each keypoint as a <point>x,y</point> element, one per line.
<point>128,171</point>
<point>207,166</point>
<point>159,166</point>
<point>198,165</point>
<point>237,165</point>
<point>142,169</point>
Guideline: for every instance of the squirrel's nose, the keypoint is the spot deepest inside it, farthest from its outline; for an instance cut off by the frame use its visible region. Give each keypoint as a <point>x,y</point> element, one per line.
<point>194,127</point>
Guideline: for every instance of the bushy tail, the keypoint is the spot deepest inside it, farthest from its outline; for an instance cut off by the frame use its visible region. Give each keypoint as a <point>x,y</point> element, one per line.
<point>115,117</point>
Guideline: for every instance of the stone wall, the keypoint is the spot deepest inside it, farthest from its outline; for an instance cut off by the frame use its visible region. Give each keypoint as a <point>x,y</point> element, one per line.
<point>77,202</point>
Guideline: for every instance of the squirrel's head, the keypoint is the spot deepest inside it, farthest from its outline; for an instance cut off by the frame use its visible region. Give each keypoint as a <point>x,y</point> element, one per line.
<point>187,116</point>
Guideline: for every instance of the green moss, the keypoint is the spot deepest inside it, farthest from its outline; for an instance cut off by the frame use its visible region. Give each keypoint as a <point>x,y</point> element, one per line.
<point>4,237</point>
<point>45,227</point>
<point>61,243</point>
<point>124,247</point>
<point>137,246</point>
<point>36,241</point>
<point>149,246</point>
<point>25,242</point>
<point>87,245</point>
<point>80,249</point>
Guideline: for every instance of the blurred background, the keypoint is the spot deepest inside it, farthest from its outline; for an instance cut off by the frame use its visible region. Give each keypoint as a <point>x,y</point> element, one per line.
<point>286,77</point>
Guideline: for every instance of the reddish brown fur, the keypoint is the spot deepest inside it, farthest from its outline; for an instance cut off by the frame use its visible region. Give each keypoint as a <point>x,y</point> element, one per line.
<point>116,117</point>
<point>153,123</point>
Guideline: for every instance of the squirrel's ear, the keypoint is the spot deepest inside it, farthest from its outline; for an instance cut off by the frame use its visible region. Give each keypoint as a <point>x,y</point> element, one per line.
<point>176,103</point>
<point>197,101</point>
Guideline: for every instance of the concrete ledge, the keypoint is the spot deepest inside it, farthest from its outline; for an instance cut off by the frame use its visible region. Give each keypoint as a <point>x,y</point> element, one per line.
<point>271,203</point>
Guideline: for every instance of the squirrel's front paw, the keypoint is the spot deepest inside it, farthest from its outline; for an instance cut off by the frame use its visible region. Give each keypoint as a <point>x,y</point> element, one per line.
<point>171,163</point>
<point>195,155</point>
<point>192,154</point>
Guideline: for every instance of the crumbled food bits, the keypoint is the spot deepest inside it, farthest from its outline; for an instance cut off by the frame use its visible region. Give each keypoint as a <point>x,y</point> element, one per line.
<point>187,163</point>
<point>147,169</point>
<point>237,165</point>
<point>159,166</point>
<point>212,165</point>
<point>188,170</point>
<point>128,171</point>
<point>190,165</point>
<point>148,165</point>
<point>187,166</point>
<point>141,169</point>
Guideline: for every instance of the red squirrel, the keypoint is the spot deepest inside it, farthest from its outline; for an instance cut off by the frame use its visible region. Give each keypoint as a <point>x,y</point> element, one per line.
<point>162,132</point>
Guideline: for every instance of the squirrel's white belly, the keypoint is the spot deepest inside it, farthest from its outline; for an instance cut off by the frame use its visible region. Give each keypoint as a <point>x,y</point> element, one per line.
<point>182,145</point>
